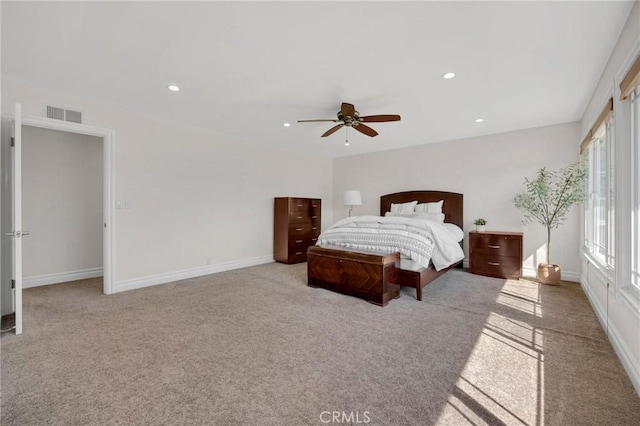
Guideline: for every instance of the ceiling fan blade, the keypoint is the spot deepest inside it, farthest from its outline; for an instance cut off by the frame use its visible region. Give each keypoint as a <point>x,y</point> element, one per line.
<point>366,130</point>
<point>379,118</point>
<point>310,121</point>
<point>331,130</point>
<point>348,110</point>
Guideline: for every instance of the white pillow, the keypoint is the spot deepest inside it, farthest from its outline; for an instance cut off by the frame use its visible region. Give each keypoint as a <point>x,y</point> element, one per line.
<point>392,214</point>
<point>435,217</point>
<point>430,207</point>
<point>404,207</point>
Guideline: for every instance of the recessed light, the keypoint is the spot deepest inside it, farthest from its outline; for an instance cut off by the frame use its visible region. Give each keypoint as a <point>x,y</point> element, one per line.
<point>346,143</point>
<point>287,124</point>
<point>479,120</point>
<point>449,75</point>
<point>173,88</point>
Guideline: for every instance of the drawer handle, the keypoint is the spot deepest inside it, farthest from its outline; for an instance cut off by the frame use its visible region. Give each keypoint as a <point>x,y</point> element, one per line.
<point>298,241</point>
<point>493,263</point>
<point>315,227</point>
<point>299,205</point>
<point>298,252</point>
<point>314,217</point>
<point>298,229</point>
<point>298,217</point>
<point>314,239</point>
<point>496,247</point>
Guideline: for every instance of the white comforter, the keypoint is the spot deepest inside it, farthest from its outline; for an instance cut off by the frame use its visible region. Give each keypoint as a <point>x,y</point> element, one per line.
<point>418,239</point>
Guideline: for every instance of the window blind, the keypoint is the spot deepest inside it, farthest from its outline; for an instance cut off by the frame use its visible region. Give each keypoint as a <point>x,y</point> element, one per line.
<point>604,116</point>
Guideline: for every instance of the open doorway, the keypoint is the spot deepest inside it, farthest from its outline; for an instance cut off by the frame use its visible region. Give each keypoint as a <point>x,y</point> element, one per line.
<point>61,206</point>
<point>11,300</point>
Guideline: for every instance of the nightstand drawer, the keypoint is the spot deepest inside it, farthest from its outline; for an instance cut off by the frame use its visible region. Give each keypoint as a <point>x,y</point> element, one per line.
<point>495,245</point>
<point>496,266</point>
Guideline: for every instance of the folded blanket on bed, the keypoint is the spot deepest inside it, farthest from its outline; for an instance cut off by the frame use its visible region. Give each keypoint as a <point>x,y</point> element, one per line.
<point>418,239</point>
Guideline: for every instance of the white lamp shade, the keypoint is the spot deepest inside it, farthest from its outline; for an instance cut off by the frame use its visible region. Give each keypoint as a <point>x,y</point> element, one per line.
<point>352,198</point>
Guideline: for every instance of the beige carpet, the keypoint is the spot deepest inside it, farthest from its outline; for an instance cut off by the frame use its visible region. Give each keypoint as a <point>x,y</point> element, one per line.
<point>258,347</point>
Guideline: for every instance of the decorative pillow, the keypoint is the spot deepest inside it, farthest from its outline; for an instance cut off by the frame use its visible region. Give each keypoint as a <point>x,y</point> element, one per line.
<point>392,214</point>
<point>435,217</point>
<point>404,207</point>
<point>430,207</point>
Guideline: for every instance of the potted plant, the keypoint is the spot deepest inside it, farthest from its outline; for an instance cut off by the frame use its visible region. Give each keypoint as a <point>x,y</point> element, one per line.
<point>547,199</point>
<point>480,224</point>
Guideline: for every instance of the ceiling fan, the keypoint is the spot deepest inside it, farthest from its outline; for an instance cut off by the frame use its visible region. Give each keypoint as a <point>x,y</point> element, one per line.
<point>348,116</point>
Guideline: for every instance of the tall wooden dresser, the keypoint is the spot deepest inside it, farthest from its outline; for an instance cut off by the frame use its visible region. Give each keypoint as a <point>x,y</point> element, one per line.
<point>296,226</point>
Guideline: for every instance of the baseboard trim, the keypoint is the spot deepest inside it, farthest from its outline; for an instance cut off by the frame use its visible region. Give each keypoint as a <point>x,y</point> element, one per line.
<point>61,277</point>
<point>565,275</point>
<point>136,283</point>
<point>618,344</point>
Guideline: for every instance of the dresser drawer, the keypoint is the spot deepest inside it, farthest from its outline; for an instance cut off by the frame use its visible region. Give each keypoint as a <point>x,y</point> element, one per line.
<point>302,218</point>
<point>300,229</point>
<point>301,243</point>
<point>300,205</point>
<point>495,245</point>
<point>496,266</point>
<point>299,217</point>
<point>297,257</point>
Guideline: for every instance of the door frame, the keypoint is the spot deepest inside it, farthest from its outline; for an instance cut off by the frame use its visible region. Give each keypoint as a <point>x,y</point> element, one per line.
<point>108,187</point>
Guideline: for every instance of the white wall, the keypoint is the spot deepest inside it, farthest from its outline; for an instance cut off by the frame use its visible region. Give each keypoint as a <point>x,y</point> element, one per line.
<point>61,205</point>
<point>488,170</point>
<point>614,301</point>
<point>196,196</point>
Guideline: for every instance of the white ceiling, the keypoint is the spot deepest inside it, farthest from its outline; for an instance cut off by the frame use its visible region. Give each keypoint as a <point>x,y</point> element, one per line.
<point>246,68</point>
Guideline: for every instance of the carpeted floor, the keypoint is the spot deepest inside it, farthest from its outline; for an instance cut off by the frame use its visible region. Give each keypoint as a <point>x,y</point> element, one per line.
<point>258,347</point>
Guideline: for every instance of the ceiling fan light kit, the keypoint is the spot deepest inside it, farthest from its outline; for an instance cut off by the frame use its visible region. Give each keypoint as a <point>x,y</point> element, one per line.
<point>349,117</point>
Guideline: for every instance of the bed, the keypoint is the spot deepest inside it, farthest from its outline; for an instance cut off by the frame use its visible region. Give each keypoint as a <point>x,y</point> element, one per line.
<point>379,276</point>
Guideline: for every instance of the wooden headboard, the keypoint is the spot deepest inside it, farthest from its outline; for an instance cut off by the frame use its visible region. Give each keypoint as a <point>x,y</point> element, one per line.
<point>452,207</point>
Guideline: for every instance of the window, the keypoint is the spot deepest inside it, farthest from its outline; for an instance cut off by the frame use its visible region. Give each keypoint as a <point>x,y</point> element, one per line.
<point>600,207</point>
<point>635,187</point>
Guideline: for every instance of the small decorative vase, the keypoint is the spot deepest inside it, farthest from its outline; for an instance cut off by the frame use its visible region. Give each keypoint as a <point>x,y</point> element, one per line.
<point>549,274</point>
<point>480,228</point>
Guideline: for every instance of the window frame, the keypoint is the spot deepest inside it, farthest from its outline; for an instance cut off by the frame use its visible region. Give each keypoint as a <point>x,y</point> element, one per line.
<point>635,188</point>
<point>602,144</point>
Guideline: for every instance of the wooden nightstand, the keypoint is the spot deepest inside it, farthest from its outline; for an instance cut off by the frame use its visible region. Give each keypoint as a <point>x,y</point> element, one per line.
<point>496,254</point>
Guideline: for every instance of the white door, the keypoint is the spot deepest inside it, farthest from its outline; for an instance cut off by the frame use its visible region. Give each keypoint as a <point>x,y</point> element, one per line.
<point>17,232</point>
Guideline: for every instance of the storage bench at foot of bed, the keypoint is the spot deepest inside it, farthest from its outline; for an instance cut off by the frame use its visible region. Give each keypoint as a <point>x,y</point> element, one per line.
<point>367,275</point>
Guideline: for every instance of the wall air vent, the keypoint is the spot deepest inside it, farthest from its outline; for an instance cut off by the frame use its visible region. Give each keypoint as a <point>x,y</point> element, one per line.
<point>58,113</point>
<point>74,116</point>
<point>55,112</point>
